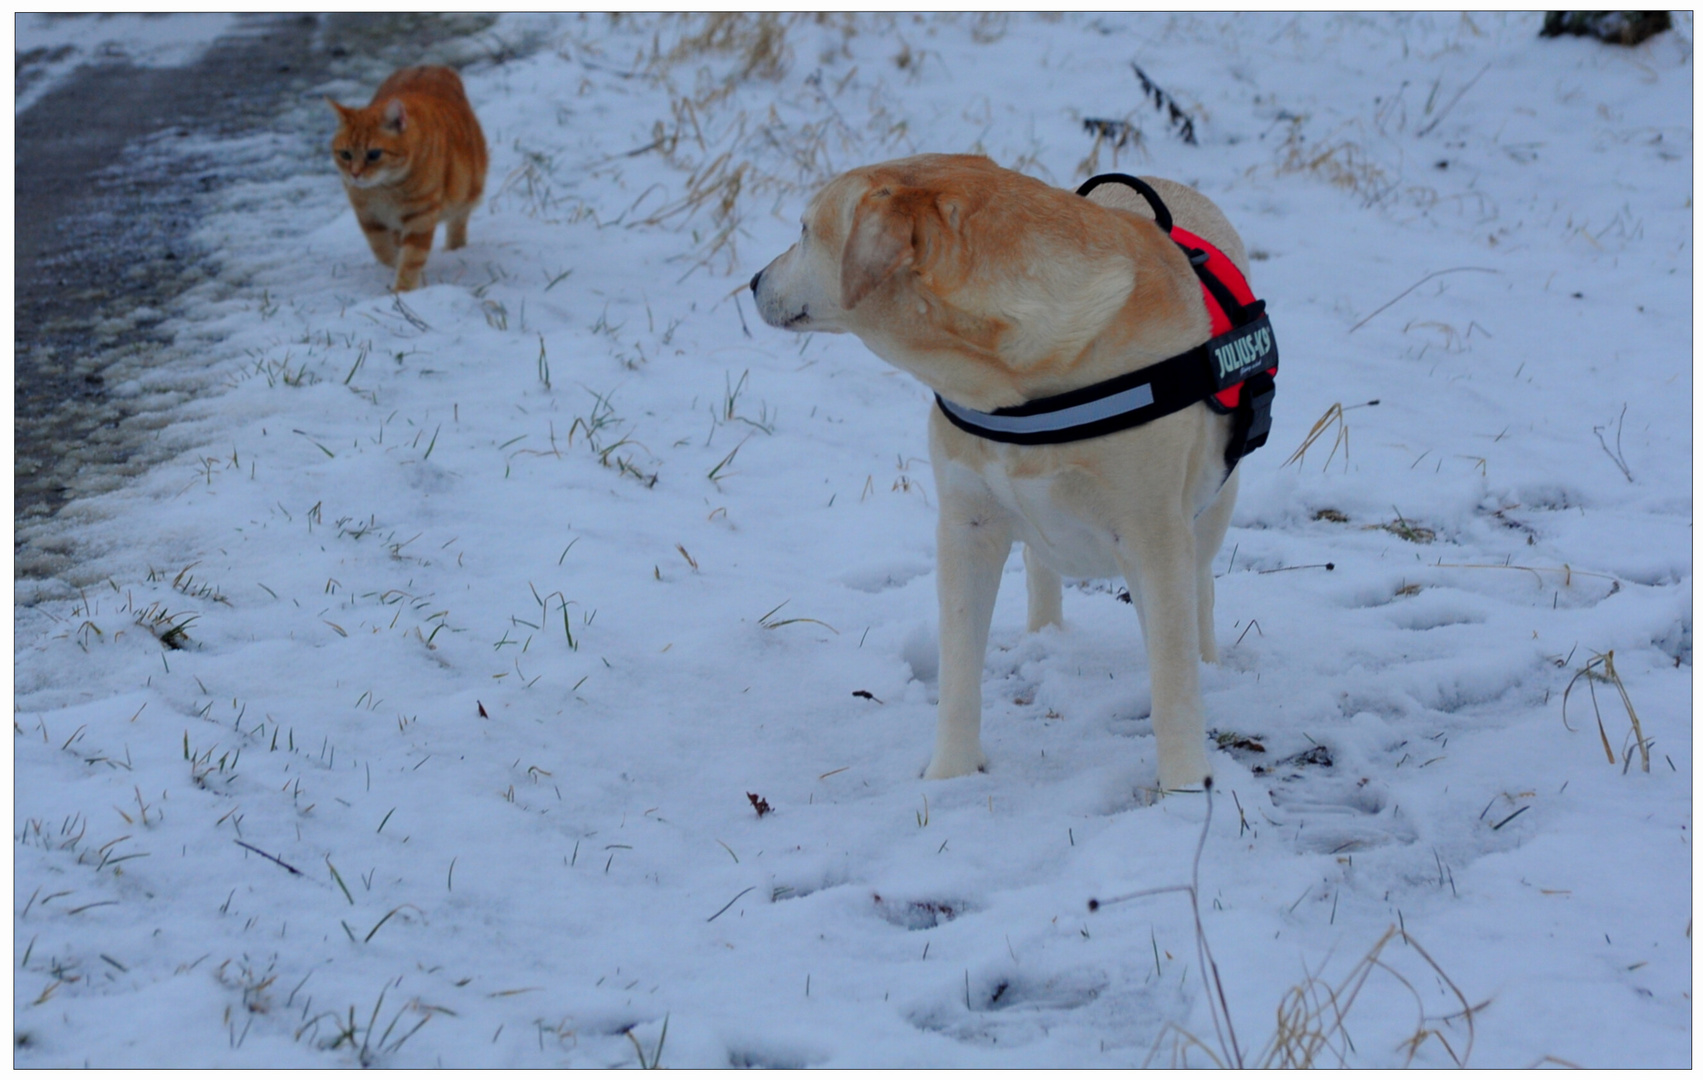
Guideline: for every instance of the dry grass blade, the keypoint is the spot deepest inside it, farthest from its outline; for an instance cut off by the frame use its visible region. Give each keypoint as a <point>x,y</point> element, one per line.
<point>1312,1016</point>
<point>1340,162</point>
<point>1111,132</point>
<point>716,475</point>
<point>1311,1028</point>
<point>1413,534</point>
<point>386,919</point>
<point>758,40</point>
<point>1332,415</point>
<point>732,145</point>
<point>716,184</point>
<point>788,622</point>
<point>655,1059</point>
<point>1415,285</point>
<point>1566,571</point>
<point>768,622</point>
<point>1600,668</point>
<point>170,629</point>
<point>1182,1041</point>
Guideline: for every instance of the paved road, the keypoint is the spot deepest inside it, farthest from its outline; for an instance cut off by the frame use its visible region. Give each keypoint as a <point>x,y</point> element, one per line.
<point>104,217</point>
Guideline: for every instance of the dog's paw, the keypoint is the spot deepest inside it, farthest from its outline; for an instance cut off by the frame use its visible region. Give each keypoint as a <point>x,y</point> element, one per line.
<point>1190,774</point>
<point>947,764</point>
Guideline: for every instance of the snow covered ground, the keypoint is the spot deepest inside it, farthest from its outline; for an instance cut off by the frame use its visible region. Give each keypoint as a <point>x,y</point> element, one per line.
<point>467,630</point>
<point>52,46</point>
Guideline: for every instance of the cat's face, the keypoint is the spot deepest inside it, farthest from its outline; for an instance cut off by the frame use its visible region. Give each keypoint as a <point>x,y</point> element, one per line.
<point>371,147</point>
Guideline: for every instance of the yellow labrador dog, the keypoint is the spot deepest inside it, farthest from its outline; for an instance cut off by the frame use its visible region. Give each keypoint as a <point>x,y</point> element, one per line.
<point>997,290</point>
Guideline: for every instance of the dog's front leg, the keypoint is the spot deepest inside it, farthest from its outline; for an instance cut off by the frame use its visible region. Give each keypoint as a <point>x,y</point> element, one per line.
<point>1161,577</point>
<point>973,541</point>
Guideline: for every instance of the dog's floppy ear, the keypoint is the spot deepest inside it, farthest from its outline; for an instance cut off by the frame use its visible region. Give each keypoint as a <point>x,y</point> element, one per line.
<point>882,240</point>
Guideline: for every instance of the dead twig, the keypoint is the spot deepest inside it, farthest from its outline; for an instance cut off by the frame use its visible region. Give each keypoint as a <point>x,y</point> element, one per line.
<point>1615,455</point>
<point>274,858</point>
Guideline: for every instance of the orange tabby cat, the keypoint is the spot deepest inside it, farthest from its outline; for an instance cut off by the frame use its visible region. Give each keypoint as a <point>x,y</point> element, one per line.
<point>413,155</point>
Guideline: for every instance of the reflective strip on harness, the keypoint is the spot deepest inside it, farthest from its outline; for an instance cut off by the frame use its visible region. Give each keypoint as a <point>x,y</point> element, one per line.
<point>1128,400</point>
<point>1074,416</point>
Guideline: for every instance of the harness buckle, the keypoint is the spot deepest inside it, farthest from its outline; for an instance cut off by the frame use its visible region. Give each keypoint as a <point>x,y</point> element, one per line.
<point>1257,393</point>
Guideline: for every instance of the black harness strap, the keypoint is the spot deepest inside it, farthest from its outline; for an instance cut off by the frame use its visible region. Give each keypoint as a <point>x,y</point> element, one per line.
<point>1106,407</point>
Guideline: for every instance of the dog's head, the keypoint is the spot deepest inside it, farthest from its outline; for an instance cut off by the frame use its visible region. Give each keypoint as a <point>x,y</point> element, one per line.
<point>959,271</point>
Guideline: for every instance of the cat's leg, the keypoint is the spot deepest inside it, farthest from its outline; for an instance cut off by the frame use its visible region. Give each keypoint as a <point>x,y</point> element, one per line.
<point>381,238</point>
<point>416,245</point>
<point>455,228</point>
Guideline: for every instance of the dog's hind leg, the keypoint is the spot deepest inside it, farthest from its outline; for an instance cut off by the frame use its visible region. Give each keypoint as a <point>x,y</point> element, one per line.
<point>1209,530</point>
<point>1046,591</point>
<point>973,540</point>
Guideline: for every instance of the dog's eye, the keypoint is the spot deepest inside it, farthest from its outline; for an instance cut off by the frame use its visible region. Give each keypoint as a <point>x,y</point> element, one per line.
<point>804,230</point>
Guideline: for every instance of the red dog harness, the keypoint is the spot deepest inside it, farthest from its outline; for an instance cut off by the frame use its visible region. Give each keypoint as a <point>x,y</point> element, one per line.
<point>1233,372</point>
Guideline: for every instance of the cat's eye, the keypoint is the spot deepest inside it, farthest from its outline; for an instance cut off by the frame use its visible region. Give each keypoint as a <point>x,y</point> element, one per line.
<point>373,155</point>
<point>345,155</point>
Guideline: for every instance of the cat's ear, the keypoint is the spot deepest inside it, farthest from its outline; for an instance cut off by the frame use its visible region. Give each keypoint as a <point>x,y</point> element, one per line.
<point>395,117</point>
<point>343,111</point>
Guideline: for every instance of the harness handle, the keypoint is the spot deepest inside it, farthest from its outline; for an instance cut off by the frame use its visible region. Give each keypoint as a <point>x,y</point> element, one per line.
<point>1161,213</point>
